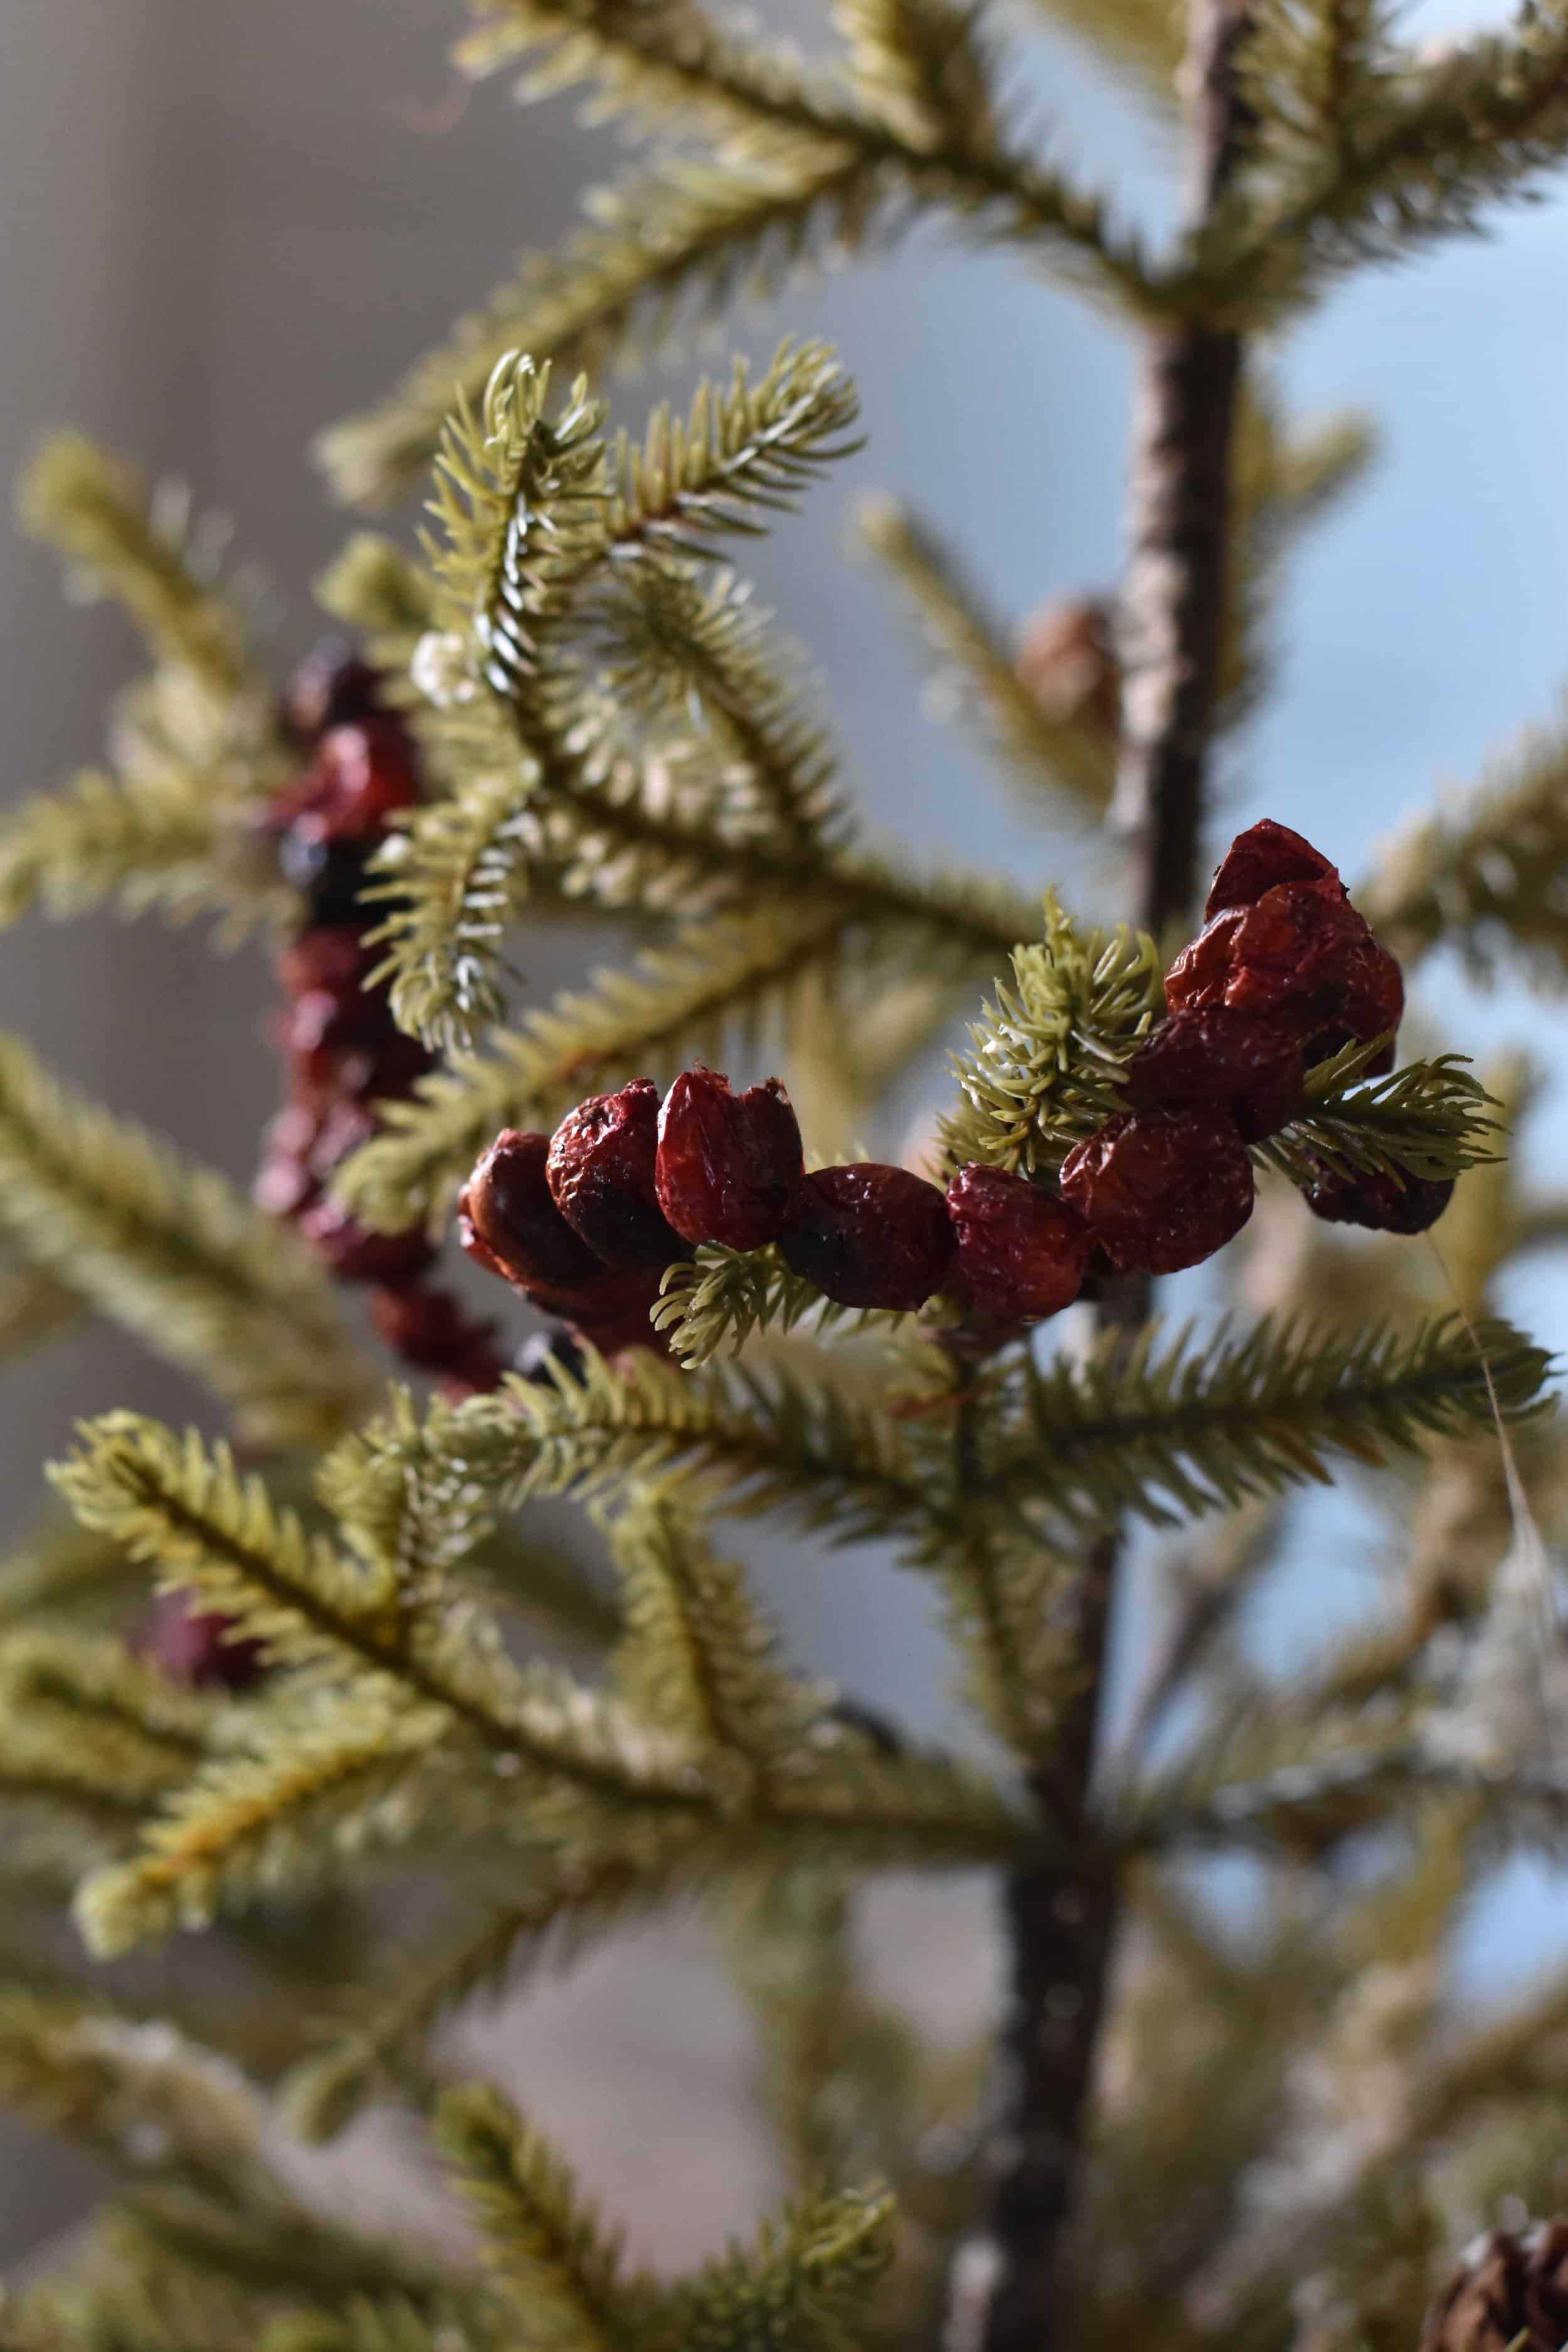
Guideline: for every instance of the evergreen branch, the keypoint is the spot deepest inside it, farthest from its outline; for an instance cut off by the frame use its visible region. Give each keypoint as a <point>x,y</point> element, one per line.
<point>742,446</point>
<point>145,549</point>
<point>372,585</point>
<point>1282,484</point>
<point>1138,36</point>
<point>168,1251</point>
<point>61,1570</point>
<point>1428,1119</point>
<point>278,1821</point>
<point>184,1506</point>
<point>139,2094</point>
<point>921,65</point>
<point>812,1447</point>
<point>1069,760</point>
<point>696,1658</point>
<point>1307,1808</point>
<point>806,2281</point>
<point>572,1906</point>
<point>547,2243</point>
<point>663,245</point>
<point>646,60</point>
<point>1047,1056</point>
<point>724,980</point>
<point>1000,1588</point>
<point>160,838</point>
<point>711,1304</point>
<point>1418,156</point>
<point>1194,1429</point>
<point>34,1306</point>
<point>1489,874</point>
<point>678,649</point>
<point>88,1698</point>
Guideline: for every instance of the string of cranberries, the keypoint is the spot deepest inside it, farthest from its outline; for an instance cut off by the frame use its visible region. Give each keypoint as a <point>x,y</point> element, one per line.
<point>343,1051</point>
<point>1284,973</point>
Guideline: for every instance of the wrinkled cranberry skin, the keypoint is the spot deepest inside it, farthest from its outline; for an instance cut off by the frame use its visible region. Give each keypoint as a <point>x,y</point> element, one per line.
<point>1022,1254</point>
<point>1265,854</point>
<point>728,1165</point>
<point>329,956</point>
<point>1161,1189</point>
<point>1289,959</point>
<point>870,1235</point>
<point>432,1329</point>
<point>356,1254</point>
<point>1213,1057</point>
<point>612,1311</point>
<point>362,775</point>
<point>507,1203</point>
<point>1373,1001</point>
<point>602,1174</point>
<point>333,687</point>
<point>191,1646</point>
<point>1381,1202</point>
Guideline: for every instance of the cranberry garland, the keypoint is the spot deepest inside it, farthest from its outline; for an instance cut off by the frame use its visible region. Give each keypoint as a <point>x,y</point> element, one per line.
<point>1284,973</point>
<point>344,1051</point>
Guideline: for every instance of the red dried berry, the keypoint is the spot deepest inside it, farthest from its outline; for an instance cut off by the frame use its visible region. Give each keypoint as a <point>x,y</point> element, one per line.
<point>1265,854</point>
<point>284,1186</point>
<point>1289,959</point>
<point>727,1164</point>
<point>1213,1057</point>
<point>603,1171</point>
<point>330,956</point>
<point>194,1647</point>
<point>610,1312</point>
<point>333,687</point>
<point>356,1254</point>
<point>869,1235</point>
<point>506,1202</point>
<point>1381,1202</point>
<point>341,1130</point>
<point>433,1329</point>
<point>1160,1189</point>
<point>1022,1253</point>
<point>1373,1001</point>
<point>361,776</point>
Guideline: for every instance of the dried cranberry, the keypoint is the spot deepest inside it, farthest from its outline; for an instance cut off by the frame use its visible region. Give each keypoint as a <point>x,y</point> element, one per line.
<point>1383,1202</point>
<point>1201,973</point>
<point>1213,1057</point>
<point>1373,1001</point>
<point>602,1173</point>
<point>611,1312</point>
<point>357,1253</point>
<point>284,1186</point>
<point>361,776</point>
<point>341,1130</point>
<point>869,1235</point>
<point>1257,860</point>
<point>195,1648</point>
<point>333,687</point>
<point>507,1203</point>
<point>727,1164</point>
<point>331,956</point>
<point>1021,1252</point>
<point>432,1329</point>
<point>1161,1189</point>
<point>330,874</point>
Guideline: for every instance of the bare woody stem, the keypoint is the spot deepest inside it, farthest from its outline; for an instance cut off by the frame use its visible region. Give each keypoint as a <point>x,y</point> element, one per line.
<point>1007,2285</point>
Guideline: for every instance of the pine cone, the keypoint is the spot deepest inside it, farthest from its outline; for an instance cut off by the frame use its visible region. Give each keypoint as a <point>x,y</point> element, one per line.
<point>1508,2289</point>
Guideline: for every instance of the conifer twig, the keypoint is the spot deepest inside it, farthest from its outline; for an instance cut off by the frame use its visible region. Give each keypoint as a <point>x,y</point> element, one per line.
<point>1060,1924</point>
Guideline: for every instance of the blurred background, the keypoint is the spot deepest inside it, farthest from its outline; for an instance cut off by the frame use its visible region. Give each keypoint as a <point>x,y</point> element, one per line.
<point>226,227</point>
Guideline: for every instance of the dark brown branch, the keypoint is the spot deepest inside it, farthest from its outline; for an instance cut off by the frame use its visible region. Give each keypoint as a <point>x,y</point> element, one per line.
<point>1007,2287</point>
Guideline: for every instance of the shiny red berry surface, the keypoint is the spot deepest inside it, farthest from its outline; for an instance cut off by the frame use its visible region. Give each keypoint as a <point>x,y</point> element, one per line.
<point>1382,1204</point>
<point>1257,860</point>
<point>1021,1253</point>
<point>356,1253</point>
<point>1161,1189</point>
<point>870,1235</point>
<point>1372,1001</point>
<point>727,1164</point>
<point>508,1206</point>
<point>602,1174</point>
<point>1215,1057</point>
<point>333,687</point>
<point>362,775</point>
